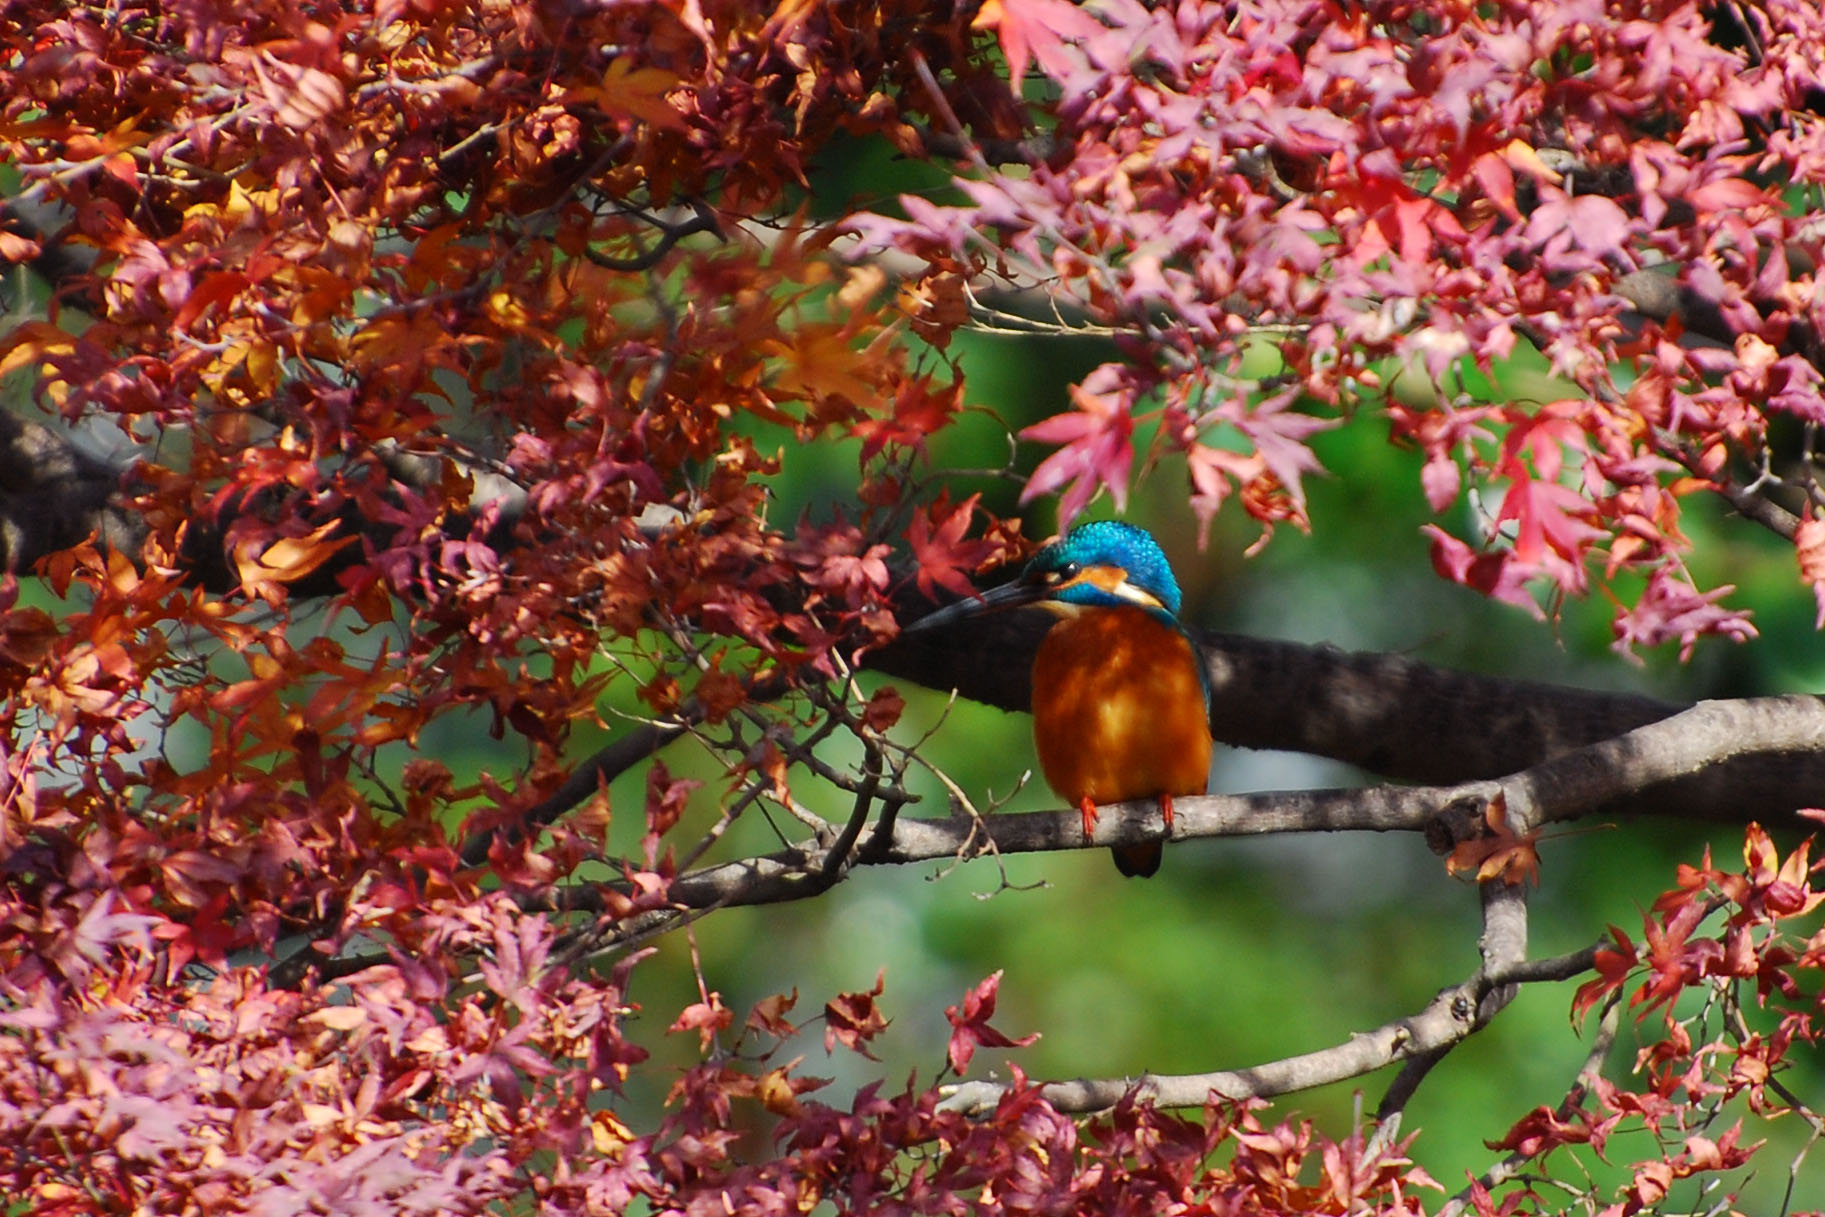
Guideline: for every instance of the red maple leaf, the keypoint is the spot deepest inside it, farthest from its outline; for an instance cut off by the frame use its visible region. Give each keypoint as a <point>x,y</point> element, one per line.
<point>943,557</point>
<point>918,411</point>
<point>852,1019</point>
<point>1613,966</point>
<point>970,1025</point>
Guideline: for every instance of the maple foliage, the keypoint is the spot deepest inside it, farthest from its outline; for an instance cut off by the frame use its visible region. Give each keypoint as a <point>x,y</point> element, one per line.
<point>1372,202</point>
<point>455,349</point>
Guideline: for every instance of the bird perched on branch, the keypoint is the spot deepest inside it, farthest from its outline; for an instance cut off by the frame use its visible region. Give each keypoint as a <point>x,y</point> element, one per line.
<point>1120,700</point>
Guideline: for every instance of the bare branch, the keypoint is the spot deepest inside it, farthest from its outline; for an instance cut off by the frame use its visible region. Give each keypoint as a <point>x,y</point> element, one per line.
<point>702,219</point>
<point>1685,759</point>
<point>1503,946</point>
<point>1033,150</point>
<point>1695,741</point>
<point>1566,788</point>
<point>1449,1018</point>
<point>423,471</point>
<point>1457,1013</point>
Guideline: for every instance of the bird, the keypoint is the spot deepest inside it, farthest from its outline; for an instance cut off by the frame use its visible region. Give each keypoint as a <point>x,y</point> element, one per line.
<point>1121,705</point>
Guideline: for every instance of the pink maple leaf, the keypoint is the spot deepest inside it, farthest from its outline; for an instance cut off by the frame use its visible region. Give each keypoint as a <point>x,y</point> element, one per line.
<point>1098,444</point>
<point>1809,540</point>
<point>1588,222</point>
<point>1497,574</point>
<point>1279,433</point>
<point>1036,30</point>
<point>1552,524</point>
<point>1670,607</point>
<point>1212,470</point>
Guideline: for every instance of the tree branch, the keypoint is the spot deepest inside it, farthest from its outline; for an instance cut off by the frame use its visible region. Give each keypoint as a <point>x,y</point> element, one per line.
<point>1697,741</point>
<point>54,496</point>
<point>1424,1038</point>
<point>1455,1014</point>
<point>1390,715</point>
<point>609,763</point>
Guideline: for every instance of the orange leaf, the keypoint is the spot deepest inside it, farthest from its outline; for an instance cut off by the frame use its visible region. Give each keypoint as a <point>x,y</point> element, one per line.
<point>821,363</point>
<point>286,560</point>
<point>1512,857</point>
<point>32,341</point>
<point>15,248</point>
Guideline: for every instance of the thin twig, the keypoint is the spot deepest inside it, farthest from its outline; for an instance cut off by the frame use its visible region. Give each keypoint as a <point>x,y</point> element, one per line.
<point>1509,1168</point>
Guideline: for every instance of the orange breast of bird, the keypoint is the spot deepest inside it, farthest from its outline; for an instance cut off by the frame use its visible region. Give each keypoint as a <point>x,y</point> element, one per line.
<point>1118,709</point>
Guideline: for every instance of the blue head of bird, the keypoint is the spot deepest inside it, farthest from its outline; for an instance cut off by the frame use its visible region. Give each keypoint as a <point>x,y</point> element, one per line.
<point>1106,564</point>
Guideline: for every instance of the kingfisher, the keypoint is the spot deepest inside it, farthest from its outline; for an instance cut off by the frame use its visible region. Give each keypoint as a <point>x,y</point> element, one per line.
<point>1121,705</point>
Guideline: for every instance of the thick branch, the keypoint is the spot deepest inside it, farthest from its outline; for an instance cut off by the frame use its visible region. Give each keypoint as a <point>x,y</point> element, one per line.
<point>1714,756</point>
<point>54,496</point>
<point>1384,713</point>
<point>1388,714</point>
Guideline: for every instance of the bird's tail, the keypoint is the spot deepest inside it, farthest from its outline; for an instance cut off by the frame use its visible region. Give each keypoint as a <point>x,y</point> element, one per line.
<point>1137,861</point>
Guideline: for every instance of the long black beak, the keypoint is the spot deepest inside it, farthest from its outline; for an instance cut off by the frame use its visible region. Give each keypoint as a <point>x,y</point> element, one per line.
<point>1008,596</point>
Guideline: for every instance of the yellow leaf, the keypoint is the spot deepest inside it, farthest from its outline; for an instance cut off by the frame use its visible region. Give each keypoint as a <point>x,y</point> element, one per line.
<point>34,341</point>
<point>505,310</point>
<point>608,1133</point>
<point>233,211</point>
<point>822,363</point>
<point>1521,155</point>
<point>630,92</point>
<point>339,1018</point>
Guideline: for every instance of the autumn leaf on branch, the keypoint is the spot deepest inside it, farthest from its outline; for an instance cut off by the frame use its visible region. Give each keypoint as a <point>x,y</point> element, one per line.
<point>266,567</point>
<point>1096,448</point>
<point>853,1019</point>
<point>1499,852</point>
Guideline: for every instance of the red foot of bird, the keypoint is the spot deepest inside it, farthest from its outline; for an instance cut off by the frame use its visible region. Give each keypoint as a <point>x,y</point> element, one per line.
<point>1166,809</point>
<point>1089,810</point>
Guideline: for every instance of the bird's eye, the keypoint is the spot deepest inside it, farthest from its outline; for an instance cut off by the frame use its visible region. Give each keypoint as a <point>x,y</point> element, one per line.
<point>1067,572</point>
